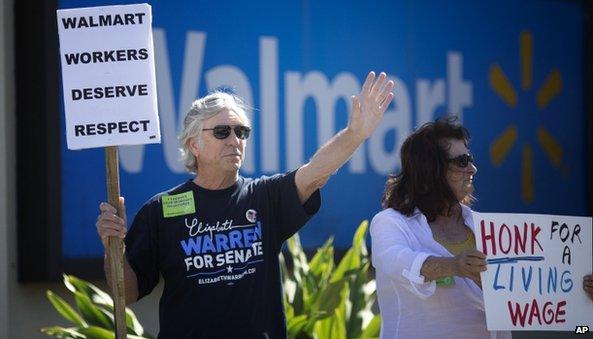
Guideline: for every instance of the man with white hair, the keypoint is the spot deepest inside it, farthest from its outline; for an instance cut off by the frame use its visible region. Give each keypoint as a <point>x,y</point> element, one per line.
<point>215,239</point>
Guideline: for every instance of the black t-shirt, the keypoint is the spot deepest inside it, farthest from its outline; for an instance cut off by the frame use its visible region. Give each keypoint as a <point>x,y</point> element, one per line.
<point>217,251</point>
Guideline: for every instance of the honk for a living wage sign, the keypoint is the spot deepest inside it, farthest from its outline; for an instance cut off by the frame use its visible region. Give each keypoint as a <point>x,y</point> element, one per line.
<point>536,265</point>
<point>108,76</point>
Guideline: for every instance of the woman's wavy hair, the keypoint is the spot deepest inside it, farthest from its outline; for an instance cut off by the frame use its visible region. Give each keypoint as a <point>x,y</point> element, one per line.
<point>422,181</point>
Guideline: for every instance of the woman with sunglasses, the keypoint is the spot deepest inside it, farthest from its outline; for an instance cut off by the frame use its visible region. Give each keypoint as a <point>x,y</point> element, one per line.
<point>423,245</point>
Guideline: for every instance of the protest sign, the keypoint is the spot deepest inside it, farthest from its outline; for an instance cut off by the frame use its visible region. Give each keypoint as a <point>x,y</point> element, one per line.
<point>108,76</point>
<point>110,99</point>
<point>536,265</point>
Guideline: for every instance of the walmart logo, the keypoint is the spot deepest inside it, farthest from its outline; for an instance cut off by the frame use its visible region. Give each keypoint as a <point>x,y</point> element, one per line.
<point>543,96</point>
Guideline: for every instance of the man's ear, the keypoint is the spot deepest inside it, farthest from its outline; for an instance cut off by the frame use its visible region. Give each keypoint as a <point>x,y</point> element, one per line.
<point>193,146</point>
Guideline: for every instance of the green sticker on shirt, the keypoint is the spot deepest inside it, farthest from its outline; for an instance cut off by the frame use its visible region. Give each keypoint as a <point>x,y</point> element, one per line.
<point>178,204</point>
<point>446,281</point>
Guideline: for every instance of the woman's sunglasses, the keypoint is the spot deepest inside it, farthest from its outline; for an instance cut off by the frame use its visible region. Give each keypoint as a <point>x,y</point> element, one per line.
<point>462,161</point>
<point>223,131</point>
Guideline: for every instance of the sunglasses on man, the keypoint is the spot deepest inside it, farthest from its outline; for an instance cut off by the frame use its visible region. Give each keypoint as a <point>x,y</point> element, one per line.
<point>462,161</point>
<point>223,131</point>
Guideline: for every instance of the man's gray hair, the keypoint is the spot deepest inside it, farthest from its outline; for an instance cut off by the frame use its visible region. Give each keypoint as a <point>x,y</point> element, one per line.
<point>200,111</point>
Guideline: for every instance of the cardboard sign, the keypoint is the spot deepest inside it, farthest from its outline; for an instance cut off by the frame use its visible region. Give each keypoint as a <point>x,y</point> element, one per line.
<point>536,265</point>
<point>108,76</point>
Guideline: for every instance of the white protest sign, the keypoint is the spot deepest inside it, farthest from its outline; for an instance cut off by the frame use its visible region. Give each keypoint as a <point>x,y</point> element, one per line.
<point>536,265</point>
<point>108,76</point>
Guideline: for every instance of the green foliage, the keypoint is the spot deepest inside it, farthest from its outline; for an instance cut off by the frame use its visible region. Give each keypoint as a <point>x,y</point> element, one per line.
<point>93,317</point>
<point>323,300</point>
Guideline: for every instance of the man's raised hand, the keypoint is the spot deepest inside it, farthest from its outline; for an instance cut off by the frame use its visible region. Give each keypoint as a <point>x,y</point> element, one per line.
<point>369,106</point>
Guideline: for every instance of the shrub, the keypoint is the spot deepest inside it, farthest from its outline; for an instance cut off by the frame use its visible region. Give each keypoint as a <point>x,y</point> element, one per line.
<point>94,318</point>
<point>323,300</point>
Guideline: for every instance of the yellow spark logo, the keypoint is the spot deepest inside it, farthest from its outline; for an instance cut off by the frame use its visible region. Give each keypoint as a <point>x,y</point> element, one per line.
<point>502,145</point>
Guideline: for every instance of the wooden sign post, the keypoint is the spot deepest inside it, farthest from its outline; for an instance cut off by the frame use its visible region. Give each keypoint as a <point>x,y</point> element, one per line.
<point>116,245</point>
<point>110,99</point>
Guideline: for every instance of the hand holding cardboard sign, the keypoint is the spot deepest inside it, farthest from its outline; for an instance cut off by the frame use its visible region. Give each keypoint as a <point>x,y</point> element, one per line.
<point>109,224</point>
<point>588,285</point>
<point>469,264</point>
